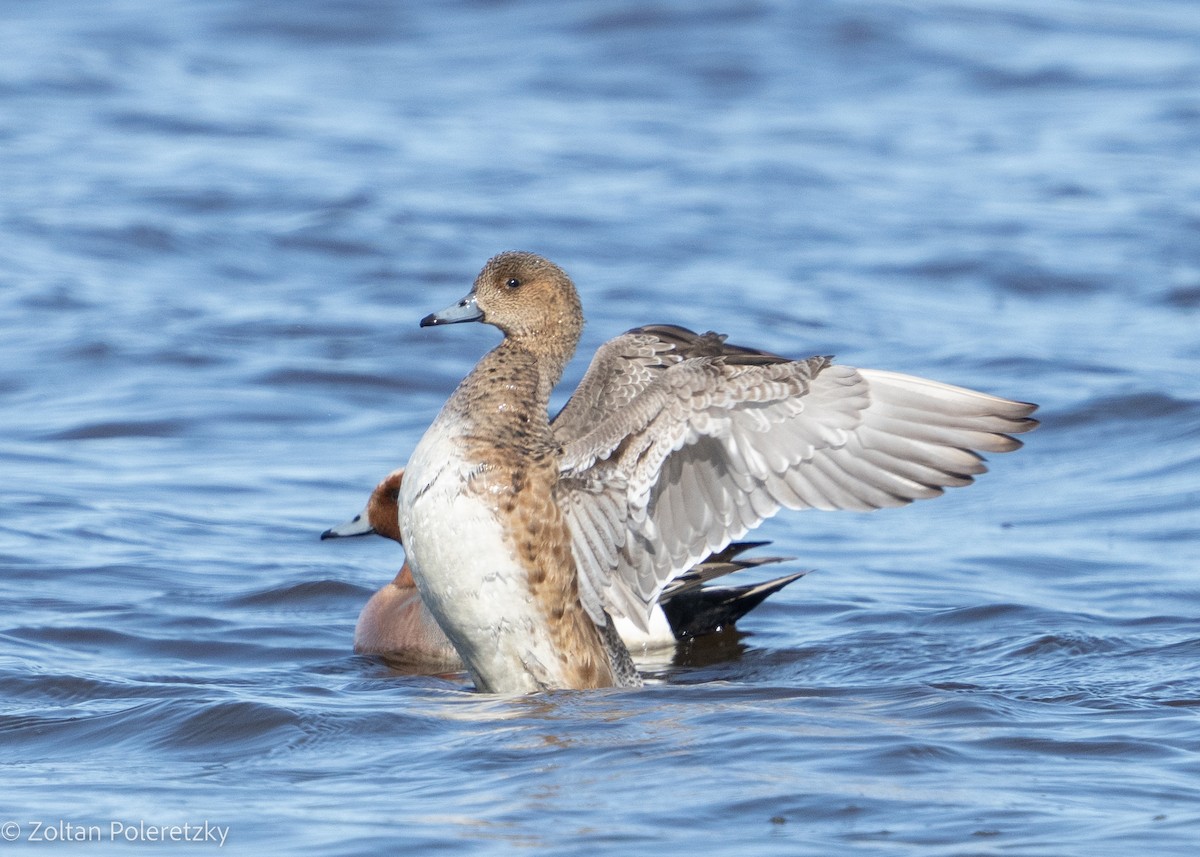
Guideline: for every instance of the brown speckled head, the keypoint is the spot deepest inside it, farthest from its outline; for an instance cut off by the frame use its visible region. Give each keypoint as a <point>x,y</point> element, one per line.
<point>530,299</point>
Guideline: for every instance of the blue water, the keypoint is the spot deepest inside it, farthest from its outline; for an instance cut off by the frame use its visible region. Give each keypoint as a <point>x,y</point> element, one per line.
<point>220,221</point>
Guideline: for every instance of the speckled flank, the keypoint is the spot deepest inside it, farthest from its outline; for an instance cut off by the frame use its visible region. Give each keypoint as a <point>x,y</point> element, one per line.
<point>537,534</point>
<point>518,471</point>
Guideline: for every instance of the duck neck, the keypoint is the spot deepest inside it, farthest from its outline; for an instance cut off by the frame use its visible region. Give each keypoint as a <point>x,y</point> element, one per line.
<point>551,355</point>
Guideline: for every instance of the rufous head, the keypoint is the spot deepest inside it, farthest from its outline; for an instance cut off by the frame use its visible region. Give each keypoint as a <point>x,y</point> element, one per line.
<point>381,515</point>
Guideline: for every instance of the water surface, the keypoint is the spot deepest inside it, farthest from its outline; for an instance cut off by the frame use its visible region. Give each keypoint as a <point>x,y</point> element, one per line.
<point>220,224</point>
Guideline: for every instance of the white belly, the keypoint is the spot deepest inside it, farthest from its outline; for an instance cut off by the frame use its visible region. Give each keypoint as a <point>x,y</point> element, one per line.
<point>657,636</point>
<point>468,576</point>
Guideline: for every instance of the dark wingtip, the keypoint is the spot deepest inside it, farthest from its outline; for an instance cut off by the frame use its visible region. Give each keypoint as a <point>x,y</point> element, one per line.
<point>734,549</point>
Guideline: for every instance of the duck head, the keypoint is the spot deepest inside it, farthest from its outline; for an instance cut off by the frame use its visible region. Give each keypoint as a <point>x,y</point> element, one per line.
<point>380,517</point>
<point>531,300</point>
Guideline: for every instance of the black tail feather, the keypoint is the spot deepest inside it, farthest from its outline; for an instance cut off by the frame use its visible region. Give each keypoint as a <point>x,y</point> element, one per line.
<point>697,611</point>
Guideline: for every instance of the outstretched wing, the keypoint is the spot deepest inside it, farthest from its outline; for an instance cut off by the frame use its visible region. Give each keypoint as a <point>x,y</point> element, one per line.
<point>712,446</point>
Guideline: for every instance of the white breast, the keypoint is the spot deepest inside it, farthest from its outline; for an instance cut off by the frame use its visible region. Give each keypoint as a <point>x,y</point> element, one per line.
<point>467,574</point>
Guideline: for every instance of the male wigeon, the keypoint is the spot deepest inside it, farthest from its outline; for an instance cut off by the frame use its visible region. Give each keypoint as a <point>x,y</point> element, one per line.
<point>525,540</point>
<point>395,623</point>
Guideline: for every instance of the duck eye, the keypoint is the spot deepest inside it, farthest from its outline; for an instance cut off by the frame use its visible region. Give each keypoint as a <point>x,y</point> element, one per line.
<point>513,282</point>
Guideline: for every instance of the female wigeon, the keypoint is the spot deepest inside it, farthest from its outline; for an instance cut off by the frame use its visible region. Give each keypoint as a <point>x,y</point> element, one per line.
<point>395,623</point>
<point>525,540</point>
